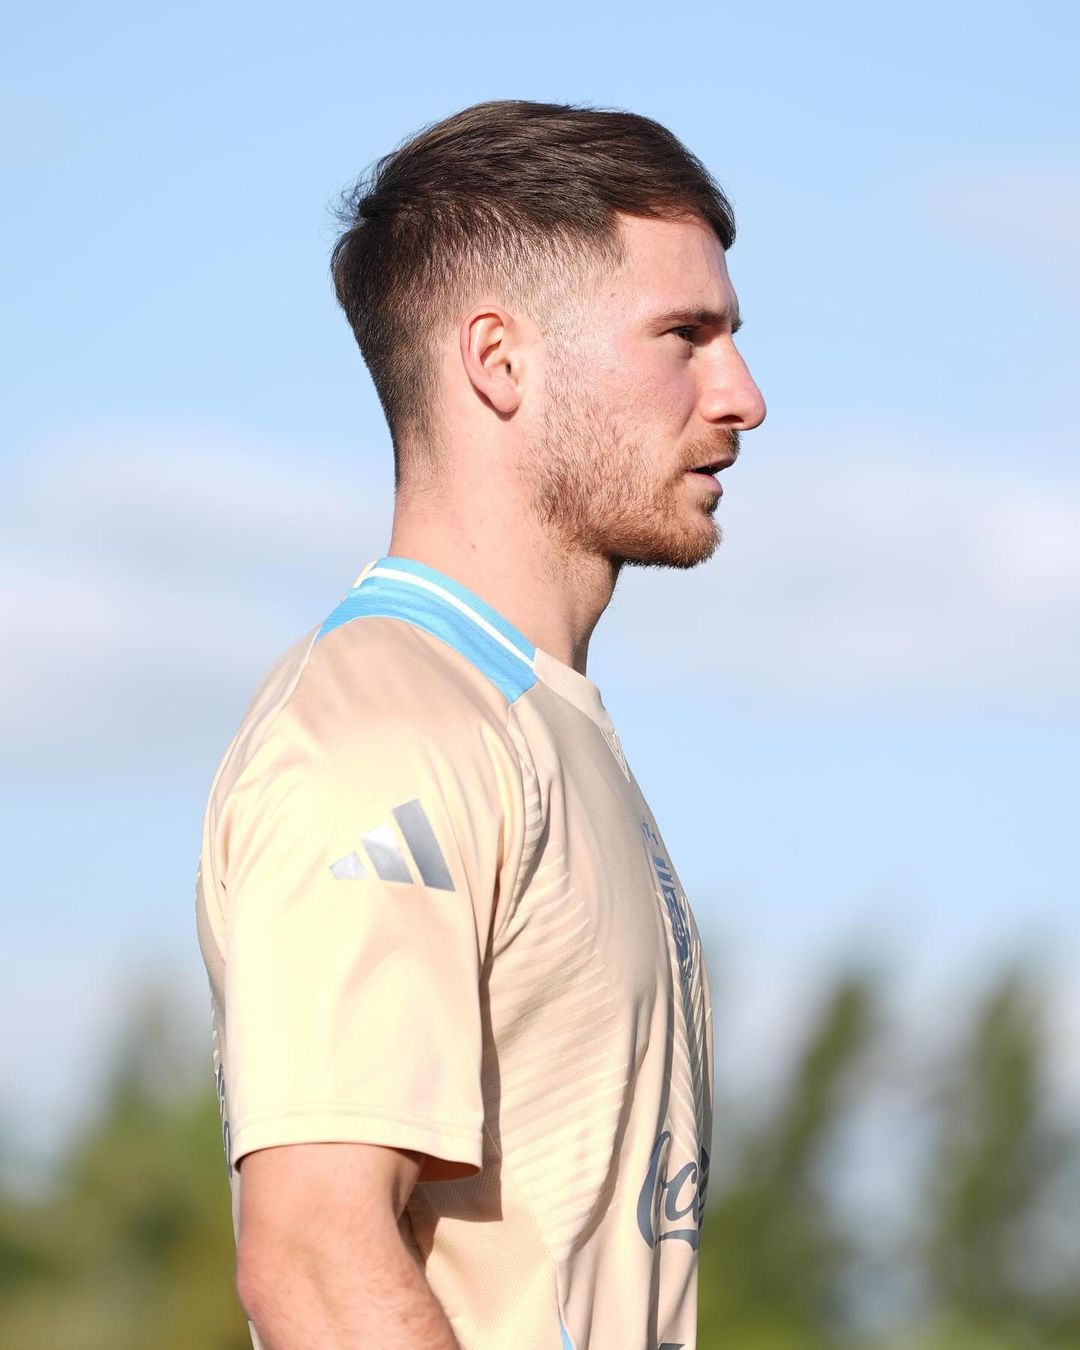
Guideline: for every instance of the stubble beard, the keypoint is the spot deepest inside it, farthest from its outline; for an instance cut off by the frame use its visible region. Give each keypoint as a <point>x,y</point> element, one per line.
<point>598,493</point>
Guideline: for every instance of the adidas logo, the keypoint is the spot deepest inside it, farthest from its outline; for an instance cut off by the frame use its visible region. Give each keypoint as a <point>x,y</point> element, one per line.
<point>385,854</point>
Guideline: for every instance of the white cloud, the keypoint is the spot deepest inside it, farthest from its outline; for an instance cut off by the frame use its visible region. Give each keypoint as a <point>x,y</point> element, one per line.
<point>152,575</point>
<point>876,567</point>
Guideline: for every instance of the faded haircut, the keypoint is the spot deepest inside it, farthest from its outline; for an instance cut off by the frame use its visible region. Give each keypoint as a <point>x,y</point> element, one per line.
<point>510,201</point>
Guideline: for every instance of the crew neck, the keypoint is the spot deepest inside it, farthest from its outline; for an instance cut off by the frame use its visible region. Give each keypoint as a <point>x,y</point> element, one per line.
<point>556,674</point>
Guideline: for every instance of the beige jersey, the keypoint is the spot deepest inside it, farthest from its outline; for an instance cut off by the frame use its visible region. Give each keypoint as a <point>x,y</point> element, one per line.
<point>437,914</point>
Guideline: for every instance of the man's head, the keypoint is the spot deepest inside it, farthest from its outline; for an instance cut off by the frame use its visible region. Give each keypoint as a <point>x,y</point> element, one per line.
<point>552,280</point>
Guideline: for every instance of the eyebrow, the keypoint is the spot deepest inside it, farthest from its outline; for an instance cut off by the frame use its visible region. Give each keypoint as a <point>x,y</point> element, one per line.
<point>711,318</point>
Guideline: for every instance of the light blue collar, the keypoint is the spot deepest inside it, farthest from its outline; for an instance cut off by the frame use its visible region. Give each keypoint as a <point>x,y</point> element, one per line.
<point>401,588</point>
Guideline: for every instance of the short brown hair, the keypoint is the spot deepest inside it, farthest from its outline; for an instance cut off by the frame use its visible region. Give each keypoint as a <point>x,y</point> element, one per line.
<point>517,196</point>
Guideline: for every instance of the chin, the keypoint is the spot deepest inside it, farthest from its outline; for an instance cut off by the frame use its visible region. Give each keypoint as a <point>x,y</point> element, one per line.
<point>686,550</point>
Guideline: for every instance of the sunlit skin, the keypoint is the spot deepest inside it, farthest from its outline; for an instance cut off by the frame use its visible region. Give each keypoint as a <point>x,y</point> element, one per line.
<point>566,451</point>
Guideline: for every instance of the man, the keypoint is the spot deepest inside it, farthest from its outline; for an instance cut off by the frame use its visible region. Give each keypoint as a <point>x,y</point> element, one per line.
<point>461,1020</point>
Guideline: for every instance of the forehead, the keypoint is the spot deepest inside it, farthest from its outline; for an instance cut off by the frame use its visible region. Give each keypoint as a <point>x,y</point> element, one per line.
<point>670,263</point>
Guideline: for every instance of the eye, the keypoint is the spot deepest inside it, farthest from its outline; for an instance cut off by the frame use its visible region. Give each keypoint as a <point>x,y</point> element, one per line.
<point>686,332</point>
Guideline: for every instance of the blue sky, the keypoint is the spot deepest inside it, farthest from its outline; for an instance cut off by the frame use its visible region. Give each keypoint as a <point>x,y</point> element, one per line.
<point>858,725</point>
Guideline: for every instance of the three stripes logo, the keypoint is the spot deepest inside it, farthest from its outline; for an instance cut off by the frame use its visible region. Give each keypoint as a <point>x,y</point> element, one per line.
<point>387,854</point>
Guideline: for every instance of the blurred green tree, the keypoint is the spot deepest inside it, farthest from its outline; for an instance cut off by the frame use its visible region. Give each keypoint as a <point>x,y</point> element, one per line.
<point>773,1253</point>
<point>132,1249</point>
<point>990,1273</point>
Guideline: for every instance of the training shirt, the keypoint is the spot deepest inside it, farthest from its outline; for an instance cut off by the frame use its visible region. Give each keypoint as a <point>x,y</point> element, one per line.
<point>436,913</point>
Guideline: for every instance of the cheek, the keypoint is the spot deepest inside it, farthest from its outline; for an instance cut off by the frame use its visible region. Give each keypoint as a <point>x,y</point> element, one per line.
<point>661,390</point>
<point>661,403</point>
<point>648,393</point>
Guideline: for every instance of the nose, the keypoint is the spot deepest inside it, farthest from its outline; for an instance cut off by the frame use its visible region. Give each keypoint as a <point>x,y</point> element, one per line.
<point>731,398</point>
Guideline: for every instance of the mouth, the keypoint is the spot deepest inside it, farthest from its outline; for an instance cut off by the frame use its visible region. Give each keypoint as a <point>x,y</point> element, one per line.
<point>707,473</point>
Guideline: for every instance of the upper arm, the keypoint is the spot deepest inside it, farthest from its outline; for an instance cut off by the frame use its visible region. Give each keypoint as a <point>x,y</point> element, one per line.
<point>362,871</point>
<point>295,1192</point>
<point>311,1208</point>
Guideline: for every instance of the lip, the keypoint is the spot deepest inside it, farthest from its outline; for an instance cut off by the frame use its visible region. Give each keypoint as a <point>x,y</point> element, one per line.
<point>708,478</point>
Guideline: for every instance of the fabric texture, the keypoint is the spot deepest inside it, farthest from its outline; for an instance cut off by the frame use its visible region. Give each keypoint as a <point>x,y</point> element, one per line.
<point>436,913</point>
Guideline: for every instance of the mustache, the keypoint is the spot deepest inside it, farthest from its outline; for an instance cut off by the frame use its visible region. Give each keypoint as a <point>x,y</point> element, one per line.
<point>714,451</point>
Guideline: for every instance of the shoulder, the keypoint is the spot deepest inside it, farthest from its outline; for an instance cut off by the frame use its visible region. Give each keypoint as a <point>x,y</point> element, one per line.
<point>378,675</point>
<point>374,713</point>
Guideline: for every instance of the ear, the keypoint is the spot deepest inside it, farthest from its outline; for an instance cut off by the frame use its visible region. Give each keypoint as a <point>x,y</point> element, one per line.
<point>491,354</point>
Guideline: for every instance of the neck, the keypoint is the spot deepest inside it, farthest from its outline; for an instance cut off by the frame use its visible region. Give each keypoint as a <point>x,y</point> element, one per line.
<point>510,560</point>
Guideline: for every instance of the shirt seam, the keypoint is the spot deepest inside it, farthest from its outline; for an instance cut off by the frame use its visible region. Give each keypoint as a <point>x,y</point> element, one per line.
<point>469,1133</point>
<point>520,870</point>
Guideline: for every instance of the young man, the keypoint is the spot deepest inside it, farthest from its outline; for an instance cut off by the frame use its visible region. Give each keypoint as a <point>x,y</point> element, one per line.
<point>461,1020</point>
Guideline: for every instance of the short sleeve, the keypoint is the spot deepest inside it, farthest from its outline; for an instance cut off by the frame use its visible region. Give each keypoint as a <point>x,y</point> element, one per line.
<point>361,875</point>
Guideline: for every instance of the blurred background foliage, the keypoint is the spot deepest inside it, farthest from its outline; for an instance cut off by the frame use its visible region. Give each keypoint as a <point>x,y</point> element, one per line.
<point>971,1244</point>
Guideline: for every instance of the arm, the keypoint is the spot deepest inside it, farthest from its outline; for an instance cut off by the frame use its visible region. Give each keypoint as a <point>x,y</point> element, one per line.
<point>360,853</point>
<point>321,1261</point>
